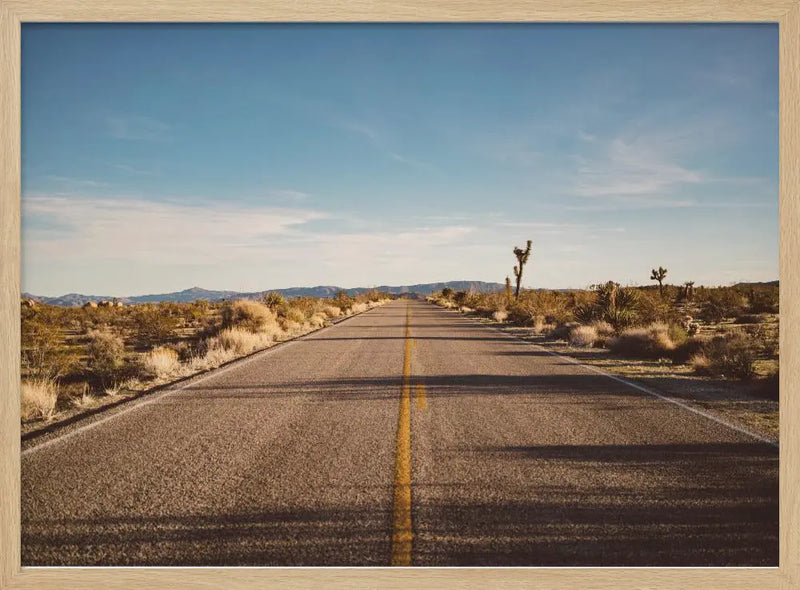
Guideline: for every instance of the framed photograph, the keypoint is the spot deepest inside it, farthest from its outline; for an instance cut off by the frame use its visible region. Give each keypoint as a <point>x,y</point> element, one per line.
<point>375,294</point>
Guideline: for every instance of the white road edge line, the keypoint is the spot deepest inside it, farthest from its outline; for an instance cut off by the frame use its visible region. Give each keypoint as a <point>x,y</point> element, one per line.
<point>636,386</point>
<point>190,381</point>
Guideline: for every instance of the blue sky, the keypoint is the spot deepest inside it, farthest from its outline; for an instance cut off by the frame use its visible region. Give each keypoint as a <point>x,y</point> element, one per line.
<point>250,157</point>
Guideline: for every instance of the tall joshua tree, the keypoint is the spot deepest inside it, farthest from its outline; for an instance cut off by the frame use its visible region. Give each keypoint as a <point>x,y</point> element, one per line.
<point>659,275</point>
<point>522,258</point>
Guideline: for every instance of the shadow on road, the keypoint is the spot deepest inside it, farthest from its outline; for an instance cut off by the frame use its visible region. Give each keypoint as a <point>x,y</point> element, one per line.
<point>553,526</point>
<point>572,387</point>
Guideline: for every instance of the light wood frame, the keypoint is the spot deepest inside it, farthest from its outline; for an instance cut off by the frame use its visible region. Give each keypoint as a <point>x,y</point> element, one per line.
<point>15,12</point>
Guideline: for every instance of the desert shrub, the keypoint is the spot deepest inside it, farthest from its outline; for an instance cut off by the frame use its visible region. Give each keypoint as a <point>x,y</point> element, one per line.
<point>160,362</point>
<point>610,303</point>
<point>521,313</point>
<point>652,308</point>
<point>373,295</point>
<point>273,300</point>
<point>293,315</point>
<point>603,328</point>
<point>700,363</point>
<point>485,304</point>
<point>247,315</point>
<point>750,318</point>
<point>685,351</point>
<point>447,293</point>
<point>44,353</point>
<point>332,311</point>
<point>317,320</point>
<point>308,306</point>
<point>212,357</point>
<point>767,339</point>
<point>732,355</point>
<point>604,331</point>
<point>85,400</point>
<point>359,307</point>
<point>106,354</point>
<point>763,300</point>
<point>563,331</point>
<point>343,301</point>
<point>554,306</point>
<point>38,399</point>
<point>651,342</point>
<point>678,334</point>
<point>500,315</point>
<point>583,336</point>
<point>240,341</point>
<point>586,313</point>
<point>152,324</point>
<point>721,303</point>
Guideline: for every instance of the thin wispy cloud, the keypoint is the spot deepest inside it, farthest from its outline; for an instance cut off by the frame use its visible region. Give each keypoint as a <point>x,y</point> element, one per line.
<point>288,194</point>
<point>137,128</point>
<point>93,228</point>
<point>631,168</point>
<point>133,170</point>
<point>140,231</point>
<point>76,182</point>
<point>380,142</point>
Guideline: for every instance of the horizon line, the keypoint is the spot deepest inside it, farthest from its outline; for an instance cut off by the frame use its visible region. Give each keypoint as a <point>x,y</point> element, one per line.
<point>238,292</point>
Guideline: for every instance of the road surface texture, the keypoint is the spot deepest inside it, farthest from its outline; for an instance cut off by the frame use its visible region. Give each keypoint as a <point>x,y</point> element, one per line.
<point>407,435</point>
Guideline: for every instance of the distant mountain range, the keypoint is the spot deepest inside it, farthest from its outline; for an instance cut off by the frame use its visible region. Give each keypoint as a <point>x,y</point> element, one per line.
<point>196,293</point>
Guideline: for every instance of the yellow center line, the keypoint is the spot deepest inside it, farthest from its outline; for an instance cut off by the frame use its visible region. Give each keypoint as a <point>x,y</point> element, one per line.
<point>402,533</point>
<point>419,396</point>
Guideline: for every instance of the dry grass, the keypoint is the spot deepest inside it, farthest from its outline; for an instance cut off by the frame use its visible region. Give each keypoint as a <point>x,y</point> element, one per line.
<point>583,336</point>
<point>332,311</point>
<point>247,315</point>
<point>240,341</point>
<point>359,307</point>
<point>651,342</point>
<point>700,363</point>
<point>160,362</point>
<point>212,359</point>
<point>561,332</point>
<point>605,332</point>
<point>731,356</point>
<point>500,315</point>
<point>604,329</point>
<point>294,315</point>
<point>39,398</point>
<point>317,320</point>
<point>86,400</point>
<point>106,352</point>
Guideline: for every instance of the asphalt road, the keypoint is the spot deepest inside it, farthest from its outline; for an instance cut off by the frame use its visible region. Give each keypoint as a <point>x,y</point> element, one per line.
<point>407,435</point>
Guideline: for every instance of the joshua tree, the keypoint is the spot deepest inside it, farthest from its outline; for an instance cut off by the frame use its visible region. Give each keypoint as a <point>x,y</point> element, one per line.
<point>659,275</point>
<point>522,258</point>
<point>688,290</point>
<point>508,290</point>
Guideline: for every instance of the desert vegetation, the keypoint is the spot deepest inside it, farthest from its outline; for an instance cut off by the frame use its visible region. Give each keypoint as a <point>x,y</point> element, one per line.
<point>728,332</point>
<point>77,358</point>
